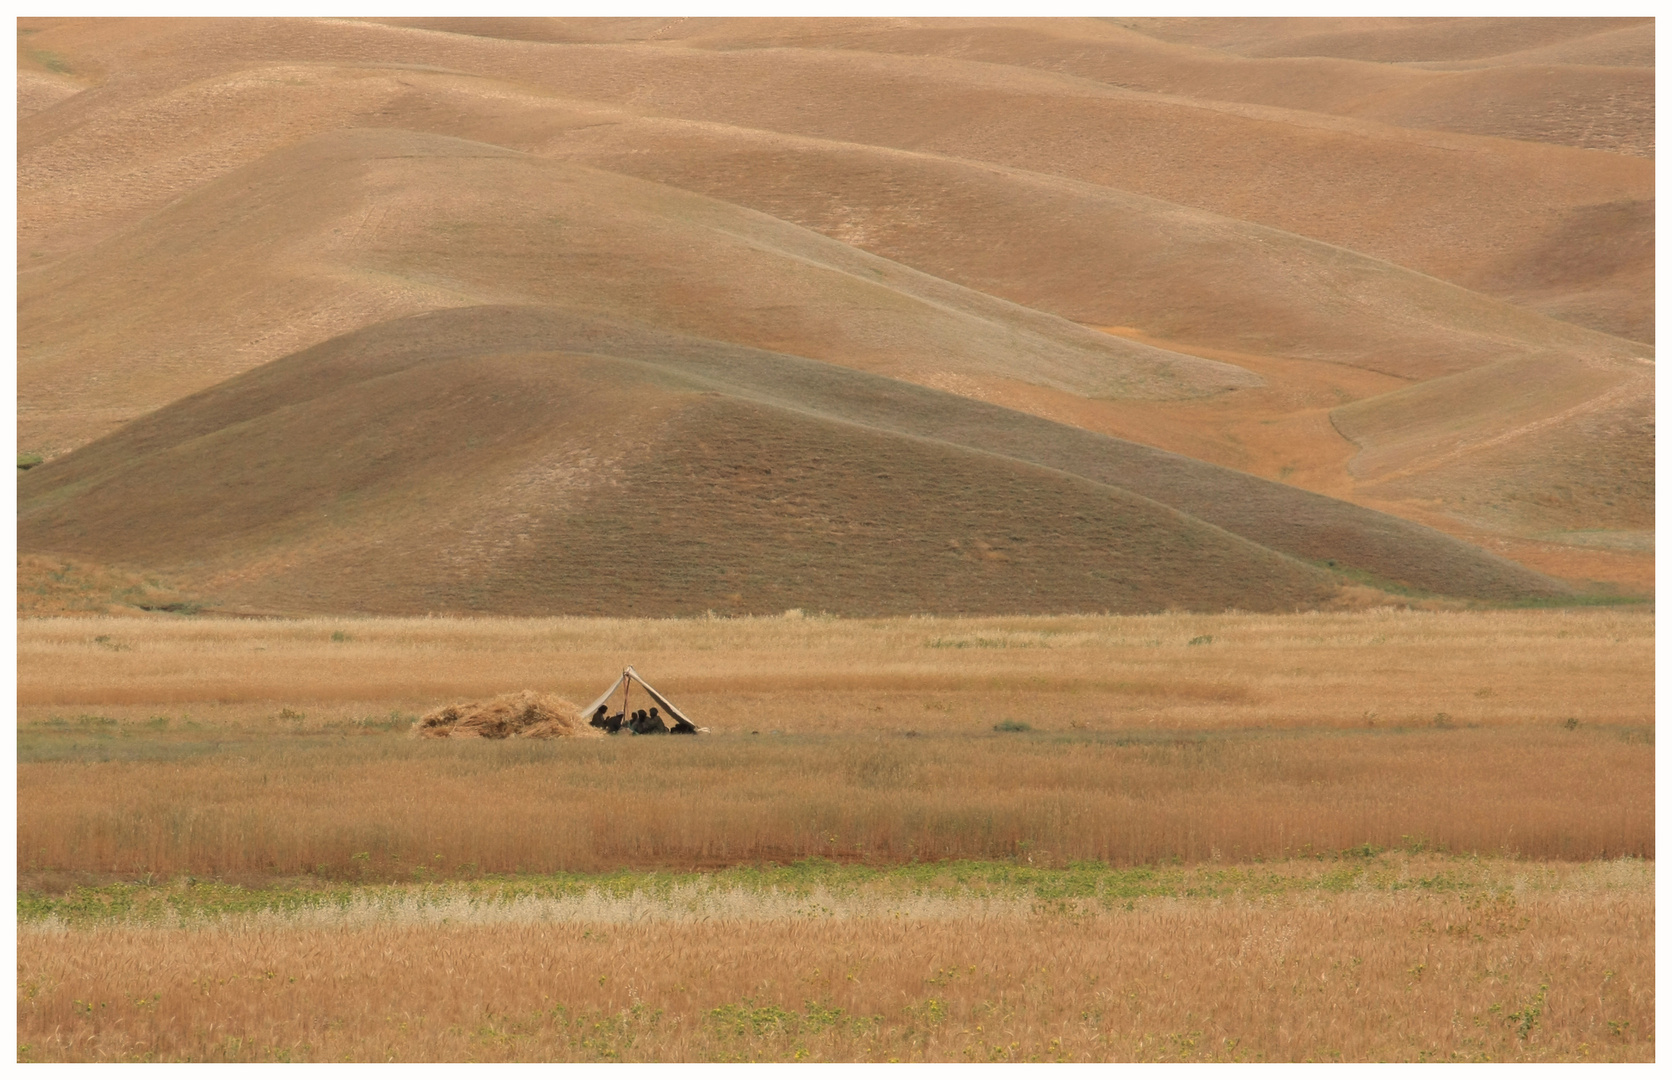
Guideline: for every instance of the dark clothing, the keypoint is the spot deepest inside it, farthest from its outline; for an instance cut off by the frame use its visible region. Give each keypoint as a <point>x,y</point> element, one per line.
<point>683,727</point>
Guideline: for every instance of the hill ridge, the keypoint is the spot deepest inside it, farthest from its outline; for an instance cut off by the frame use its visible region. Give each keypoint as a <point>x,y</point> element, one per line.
<point>1387,262</point>
<point>1289,523</point>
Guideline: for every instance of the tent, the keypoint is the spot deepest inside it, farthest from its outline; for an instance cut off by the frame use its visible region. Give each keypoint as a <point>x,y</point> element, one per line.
<point>625,685</point>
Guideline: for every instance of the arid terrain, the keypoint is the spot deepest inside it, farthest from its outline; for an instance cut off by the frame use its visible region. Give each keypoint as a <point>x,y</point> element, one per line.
<point>919,839</point>
<point>648,317</point>
<point>1155,517</point>
<point>206,746</point>
<point>1357,957</point>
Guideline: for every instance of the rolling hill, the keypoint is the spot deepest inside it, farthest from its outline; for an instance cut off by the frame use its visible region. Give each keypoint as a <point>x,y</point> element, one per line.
<point>357,225</point>
<point>519,460</point>
<point>1409,73</point>
<point>1460,207</point>
<point>1292,293</point>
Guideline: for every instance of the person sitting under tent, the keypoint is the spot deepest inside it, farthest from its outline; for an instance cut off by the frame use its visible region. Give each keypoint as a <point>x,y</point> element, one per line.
<point>602,719</point>
<point>640,722</point>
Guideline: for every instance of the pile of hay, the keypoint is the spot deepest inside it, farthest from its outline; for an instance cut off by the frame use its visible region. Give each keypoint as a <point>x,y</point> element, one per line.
<point>527,715</point>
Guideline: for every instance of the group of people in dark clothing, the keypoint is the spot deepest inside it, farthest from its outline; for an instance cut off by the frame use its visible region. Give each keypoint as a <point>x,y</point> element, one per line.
<point>641,723</point>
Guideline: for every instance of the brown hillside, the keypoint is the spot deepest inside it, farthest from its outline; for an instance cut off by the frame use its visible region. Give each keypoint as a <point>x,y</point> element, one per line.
<point>1450,205</point>
<point>513,460</point>
<point>1393,40</point>
<point>1631,45</point>
<point>1599,108</point>
<point>1543,95</point>
<point>1586,268</point>
<point>1525,447</point>
<point>363,225</point>
<point>1097,255</point>
<point>1400,263</point>
<point>539,483</point>
<point>360,225</point>
<point>50,586</point>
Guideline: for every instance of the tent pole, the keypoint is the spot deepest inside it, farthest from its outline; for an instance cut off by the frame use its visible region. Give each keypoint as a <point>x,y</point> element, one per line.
<point>626,690</point>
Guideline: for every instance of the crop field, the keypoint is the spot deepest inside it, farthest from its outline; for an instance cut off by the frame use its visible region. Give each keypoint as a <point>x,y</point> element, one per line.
<point>1357,957</point>
<point>1387,834</point>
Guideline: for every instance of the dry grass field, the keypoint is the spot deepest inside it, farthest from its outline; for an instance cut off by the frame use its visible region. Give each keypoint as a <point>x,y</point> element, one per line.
<point>269,749</point>
<point>1391,834</point>
<point>1393,957</point>
<point>387,808</point>
<point>810,674</point>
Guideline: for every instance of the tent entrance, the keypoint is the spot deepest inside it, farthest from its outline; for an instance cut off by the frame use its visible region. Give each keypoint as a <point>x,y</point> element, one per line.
<point>668,719</point>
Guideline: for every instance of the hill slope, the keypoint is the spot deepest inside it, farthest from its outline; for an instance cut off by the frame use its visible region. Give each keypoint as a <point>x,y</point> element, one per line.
<point>518,460</point>
<point>1368,258</point>
<point>1427,86</point>
<point>358,225</point>
<point>1465,208</point>
<point>1529,447</point>
<point>1094,254</point>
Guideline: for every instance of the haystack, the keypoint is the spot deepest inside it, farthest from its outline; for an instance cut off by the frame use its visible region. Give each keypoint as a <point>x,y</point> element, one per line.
<point>528,715</point>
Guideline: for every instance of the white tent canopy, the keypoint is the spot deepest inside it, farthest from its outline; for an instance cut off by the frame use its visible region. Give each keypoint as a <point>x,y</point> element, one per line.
<point>628,676</point>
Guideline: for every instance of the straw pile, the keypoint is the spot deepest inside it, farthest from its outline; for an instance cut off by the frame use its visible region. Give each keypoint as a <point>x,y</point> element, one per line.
<point>527,715</point>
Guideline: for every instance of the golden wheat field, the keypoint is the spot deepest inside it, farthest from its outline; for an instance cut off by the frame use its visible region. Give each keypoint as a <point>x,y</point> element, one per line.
<point>279,748</point>
<point>1389,834</point>
<point>1380,958</point>
<point>1383,668</point>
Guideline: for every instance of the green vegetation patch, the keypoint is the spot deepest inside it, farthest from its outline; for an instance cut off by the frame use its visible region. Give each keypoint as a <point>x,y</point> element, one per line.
<point>814,884</point>
<point>49,60</point>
